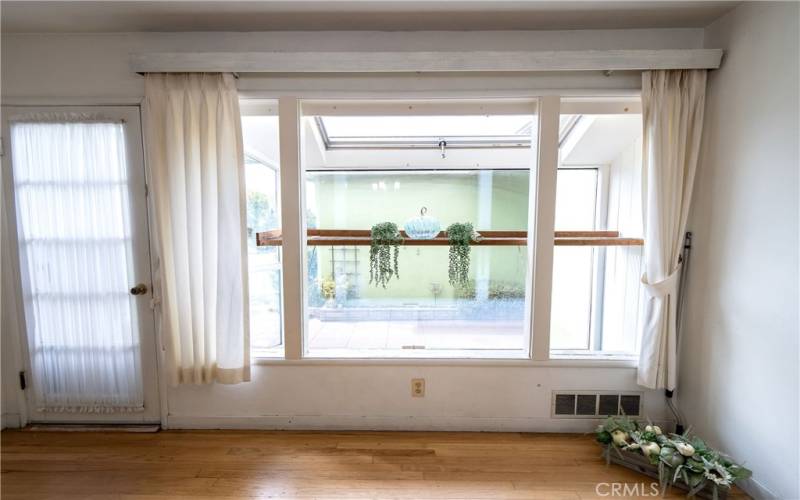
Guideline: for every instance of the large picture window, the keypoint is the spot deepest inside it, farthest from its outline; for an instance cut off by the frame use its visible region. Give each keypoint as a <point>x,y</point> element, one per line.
<point>456,167</point>
<point>352,170</point>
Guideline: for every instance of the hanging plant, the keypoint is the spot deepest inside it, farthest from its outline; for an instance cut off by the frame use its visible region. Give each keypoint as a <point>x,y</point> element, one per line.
<point>460,235</point>
<point>383,252</point>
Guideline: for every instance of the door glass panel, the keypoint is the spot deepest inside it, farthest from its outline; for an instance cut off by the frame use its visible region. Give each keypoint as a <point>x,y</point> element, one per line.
<point>76,262</point>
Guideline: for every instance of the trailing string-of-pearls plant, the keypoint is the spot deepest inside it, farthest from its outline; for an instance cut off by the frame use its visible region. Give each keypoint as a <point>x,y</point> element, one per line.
<point>459,236</point>
<point>383,252</point>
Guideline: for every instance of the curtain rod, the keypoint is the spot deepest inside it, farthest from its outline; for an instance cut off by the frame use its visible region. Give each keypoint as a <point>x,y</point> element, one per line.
<point>430,61</point>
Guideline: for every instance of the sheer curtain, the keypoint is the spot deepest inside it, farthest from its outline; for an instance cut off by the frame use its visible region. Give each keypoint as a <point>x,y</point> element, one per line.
<point>672,105</point>
<point>195,155</point>
<point>73,224</point>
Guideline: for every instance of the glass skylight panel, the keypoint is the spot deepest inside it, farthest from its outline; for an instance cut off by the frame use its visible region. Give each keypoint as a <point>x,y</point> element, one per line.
<point>426,131</point>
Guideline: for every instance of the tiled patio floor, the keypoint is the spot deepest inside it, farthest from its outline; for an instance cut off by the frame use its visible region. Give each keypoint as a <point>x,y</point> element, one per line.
<point>432,334</point>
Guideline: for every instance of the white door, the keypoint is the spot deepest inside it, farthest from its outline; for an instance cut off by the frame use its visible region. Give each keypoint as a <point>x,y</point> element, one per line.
<point>74,180</point>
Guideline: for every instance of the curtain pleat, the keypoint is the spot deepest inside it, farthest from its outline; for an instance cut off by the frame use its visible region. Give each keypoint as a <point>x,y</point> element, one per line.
<point>672,103</point>
<point>195,154</point>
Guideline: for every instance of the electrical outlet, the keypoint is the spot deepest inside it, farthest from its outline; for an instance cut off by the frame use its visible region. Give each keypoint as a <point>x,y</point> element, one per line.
<point>418,387</point>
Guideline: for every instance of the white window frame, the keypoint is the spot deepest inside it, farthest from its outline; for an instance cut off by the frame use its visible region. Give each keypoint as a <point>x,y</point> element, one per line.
<point>549,109</point>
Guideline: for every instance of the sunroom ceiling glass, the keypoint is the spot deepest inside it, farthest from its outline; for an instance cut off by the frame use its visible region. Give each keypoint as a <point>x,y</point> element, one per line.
<point>425,131</point>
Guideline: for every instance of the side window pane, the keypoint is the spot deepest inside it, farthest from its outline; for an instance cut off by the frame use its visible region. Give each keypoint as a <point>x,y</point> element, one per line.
<point>573,266</point>
<point>576,199</point>
<point>262,179</point>
<point>596,291</point>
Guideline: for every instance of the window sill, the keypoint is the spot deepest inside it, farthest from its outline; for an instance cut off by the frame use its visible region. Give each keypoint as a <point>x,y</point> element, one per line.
<point>277,353</point>
<point>595,356</point>
<point>419,354</point>
<point>584,362</point>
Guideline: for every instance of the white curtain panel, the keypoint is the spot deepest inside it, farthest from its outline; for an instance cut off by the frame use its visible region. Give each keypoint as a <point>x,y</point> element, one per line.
<point>195,156</point>
<point>73,225</point>
<point>672,105</point>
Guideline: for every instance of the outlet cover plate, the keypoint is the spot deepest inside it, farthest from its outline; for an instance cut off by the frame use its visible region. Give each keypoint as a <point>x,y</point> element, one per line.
<point>418,387</point>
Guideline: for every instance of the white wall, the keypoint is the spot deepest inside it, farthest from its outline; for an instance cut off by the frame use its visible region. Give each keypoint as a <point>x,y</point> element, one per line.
<point>486,398</point>
<point>94,69</point>
<point>739,370</point>
<point>96,66</point>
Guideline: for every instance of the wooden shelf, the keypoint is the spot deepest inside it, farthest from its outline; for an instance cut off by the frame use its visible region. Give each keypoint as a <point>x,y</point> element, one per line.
<point>354,237</point>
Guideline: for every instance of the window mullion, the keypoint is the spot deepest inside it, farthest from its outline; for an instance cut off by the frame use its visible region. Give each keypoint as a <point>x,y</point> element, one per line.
<point>292,225</point>
<point>545,221</point>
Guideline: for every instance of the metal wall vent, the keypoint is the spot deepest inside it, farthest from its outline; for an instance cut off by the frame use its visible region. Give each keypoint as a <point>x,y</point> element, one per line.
<point>585,404</point>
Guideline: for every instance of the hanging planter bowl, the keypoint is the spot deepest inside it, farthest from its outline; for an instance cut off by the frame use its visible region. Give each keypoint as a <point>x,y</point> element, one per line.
<point>422,227</point>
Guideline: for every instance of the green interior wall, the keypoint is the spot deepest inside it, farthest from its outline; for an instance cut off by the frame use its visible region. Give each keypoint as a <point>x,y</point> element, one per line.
<point>357,200</point>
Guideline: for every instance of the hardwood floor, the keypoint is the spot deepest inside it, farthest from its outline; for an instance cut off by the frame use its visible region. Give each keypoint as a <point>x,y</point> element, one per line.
<point>255,464</point>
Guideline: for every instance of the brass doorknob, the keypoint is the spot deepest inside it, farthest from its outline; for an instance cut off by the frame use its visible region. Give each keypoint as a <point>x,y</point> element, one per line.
<point>139,289</point>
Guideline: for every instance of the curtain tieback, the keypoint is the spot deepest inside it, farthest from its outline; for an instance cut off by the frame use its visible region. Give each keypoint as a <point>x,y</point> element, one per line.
<point>665,287</point>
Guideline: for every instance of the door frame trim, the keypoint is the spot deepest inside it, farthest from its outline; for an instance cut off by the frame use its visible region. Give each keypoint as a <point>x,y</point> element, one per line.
<point>19,332</point>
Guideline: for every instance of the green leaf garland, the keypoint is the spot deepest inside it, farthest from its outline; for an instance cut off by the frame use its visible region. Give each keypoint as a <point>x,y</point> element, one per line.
<point>680,458</point>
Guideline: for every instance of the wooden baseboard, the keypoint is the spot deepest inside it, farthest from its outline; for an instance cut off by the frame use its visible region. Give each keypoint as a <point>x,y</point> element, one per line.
<point>92,428</point>
<point>11,420</point>
<point>387,423</point>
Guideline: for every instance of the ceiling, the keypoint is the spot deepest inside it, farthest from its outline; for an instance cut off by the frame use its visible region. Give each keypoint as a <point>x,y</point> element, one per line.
<point>32,16</point>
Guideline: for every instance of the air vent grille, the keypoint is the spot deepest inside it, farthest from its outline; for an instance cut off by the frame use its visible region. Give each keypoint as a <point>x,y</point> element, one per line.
<point>629,404</point>
<point>564,404</point>
<point>609,404</point>
<point>587,404</point>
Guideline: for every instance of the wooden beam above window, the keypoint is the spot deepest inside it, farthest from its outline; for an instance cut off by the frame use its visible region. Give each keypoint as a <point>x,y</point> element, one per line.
<point>424,61</point>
